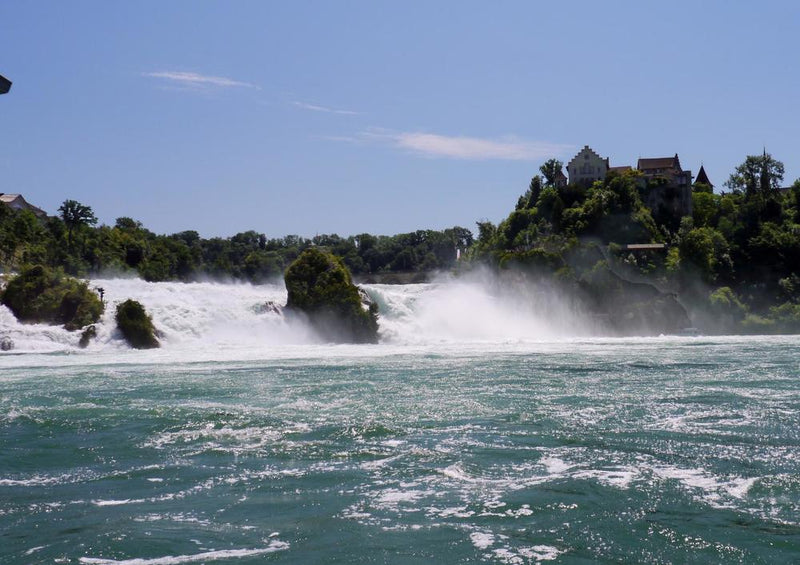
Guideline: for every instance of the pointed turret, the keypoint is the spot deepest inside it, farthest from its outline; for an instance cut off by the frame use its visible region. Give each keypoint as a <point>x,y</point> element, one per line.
<point>702,178</point>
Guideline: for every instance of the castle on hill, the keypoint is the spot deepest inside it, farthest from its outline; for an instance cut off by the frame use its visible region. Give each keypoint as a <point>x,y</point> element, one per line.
<point>665,186</point>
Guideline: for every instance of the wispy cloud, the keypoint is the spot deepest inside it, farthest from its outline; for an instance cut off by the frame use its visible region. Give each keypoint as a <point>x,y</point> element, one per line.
<point>346,138</point>
<point>317,108</point>
<point>509,148</point>
<point>195,80</point>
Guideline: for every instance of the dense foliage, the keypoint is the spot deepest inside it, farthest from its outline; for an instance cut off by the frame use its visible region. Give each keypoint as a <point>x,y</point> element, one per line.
<point>40,294</point>
<point>135,325</point>
<point>733,265</point>
<point>548,222</point>
<point>70,241</point>
<point>320,286</point>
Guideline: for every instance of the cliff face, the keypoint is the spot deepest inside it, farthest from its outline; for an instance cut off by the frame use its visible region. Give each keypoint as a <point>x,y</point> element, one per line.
<point>668,202</point>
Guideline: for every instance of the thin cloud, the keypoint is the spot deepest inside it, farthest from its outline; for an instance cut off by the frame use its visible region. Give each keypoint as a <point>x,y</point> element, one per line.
<point>317,108</point>
<point>345,138</point>
<point>195,80</point>
<point>508,148</point>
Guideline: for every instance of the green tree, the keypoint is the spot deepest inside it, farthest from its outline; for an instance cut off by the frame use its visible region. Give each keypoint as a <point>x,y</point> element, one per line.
<point>728,310</point>
<point>550,171</point>
<point>126,223</point>
<point>550,206</point>
<point>759,174</point>
<point>708,251</point>
<point>531,196</point>
<point>705,208</point>
<point>75,215</point>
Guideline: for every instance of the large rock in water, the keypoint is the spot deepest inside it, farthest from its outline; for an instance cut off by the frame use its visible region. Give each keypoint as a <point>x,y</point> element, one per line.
<point>40,294</point>
<point>135,325</point>
<point>320,286</point>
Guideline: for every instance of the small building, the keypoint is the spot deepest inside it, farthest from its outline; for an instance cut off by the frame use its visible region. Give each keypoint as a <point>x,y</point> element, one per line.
<point>668,168</point>
<point>668,188</point>
<point>17,202</point>
<point>561,179</point>
<point>587,167</point>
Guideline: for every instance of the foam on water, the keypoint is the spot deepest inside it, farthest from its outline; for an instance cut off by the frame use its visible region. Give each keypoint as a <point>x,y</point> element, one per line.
<point>198,557</point>
<point>214,320</point>
<point>486,444</point>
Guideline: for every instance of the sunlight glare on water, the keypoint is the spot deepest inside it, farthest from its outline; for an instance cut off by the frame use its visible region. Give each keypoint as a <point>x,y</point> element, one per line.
<point>473,446</point>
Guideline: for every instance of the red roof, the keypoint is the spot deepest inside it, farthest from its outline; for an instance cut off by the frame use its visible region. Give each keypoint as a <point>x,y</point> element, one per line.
<point>659,163</point>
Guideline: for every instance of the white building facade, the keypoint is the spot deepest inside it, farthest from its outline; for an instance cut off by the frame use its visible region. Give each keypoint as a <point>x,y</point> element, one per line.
<point>587,167</point>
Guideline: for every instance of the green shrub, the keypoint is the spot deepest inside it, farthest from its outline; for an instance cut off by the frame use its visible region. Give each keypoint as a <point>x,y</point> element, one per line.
<point>755,324</point>
<point>727,311</point>
<point>787,317</point>
<point>320,286</point>
<point>136,326</point>
<point>39,294</point>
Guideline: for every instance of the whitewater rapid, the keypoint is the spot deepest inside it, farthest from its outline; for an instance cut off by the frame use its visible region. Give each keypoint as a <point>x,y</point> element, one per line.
<point>210,319</point>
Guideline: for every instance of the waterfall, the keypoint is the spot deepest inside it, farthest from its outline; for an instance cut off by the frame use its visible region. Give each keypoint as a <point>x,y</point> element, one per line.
<point>208,315</point>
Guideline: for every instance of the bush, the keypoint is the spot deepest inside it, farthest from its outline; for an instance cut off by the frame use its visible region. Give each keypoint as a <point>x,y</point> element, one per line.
<point>320,286</point>
<point>755,324</point>
<point>728,311</point>
<point>136,326</point>
<point>39,294</point>
<point>787,317</point>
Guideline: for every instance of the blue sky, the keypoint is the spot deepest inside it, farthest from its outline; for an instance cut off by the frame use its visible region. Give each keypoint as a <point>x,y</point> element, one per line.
<point>383,117</point>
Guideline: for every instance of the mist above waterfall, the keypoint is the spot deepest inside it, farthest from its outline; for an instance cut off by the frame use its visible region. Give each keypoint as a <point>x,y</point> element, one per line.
<point>477,307</point>
<point>214,316</point>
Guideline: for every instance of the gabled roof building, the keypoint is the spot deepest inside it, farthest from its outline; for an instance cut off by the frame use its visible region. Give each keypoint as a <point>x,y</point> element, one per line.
<point>668,191</point>
<point>17,202</point>
<point>668,168</point>
<point>587,167</point>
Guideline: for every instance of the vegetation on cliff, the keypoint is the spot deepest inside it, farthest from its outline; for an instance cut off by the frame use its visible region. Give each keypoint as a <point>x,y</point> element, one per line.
<point>40,294</point>
<point>732,265</point>
<point>135,325</point>
<point>320,286</point>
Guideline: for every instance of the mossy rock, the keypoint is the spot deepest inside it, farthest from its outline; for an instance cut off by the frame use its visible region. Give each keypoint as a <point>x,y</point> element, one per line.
<point>320,286</point>
<point>88,334</point>
<point>135,325</point>
<point>40,294</point>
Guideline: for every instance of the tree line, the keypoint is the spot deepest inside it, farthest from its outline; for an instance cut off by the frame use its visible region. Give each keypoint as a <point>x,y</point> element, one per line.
<point>73,241</point>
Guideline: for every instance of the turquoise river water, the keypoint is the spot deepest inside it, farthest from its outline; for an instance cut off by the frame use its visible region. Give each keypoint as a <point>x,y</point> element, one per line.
<point>507,449</point>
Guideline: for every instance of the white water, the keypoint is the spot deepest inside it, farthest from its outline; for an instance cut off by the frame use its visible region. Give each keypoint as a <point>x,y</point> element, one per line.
<point>203,318</point>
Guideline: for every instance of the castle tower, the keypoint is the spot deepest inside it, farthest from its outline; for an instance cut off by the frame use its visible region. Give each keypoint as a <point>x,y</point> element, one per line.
<point>702,177</point>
